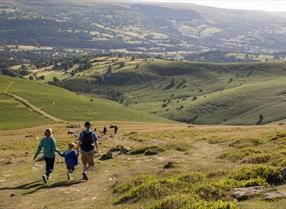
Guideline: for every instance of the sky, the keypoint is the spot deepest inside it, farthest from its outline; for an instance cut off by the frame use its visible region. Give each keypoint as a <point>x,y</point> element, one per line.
<point>266,5</point>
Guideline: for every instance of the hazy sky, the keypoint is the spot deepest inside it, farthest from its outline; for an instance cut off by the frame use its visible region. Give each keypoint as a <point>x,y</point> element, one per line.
<point>274,5</point>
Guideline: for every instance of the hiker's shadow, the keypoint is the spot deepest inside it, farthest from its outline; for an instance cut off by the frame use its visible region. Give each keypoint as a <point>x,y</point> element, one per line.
<point>24,186</point>
<point>38,185</point>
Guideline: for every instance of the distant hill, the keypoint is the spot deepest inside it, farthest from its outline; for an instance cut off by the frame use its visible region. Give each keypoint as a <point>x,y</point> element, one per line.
<point>203,93</point>
<point>59,103</point>
<point>159,28</point>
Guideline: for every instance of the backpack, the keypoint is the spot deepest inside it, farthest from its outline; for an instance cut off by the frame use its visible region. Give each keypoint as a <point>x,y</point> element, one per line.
<point>87,142</point>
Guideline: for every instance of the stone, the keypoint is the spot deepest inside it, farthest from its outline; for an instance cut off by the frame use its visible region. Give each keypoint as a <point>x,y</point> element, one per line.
<point>150,152</point>
<point>249,192</point>
<point>12,195</point>
<point>107,156</point>
<point>169,165</point>
<point>124,150</point>
<point>121,149</point>
<point>275,195</point>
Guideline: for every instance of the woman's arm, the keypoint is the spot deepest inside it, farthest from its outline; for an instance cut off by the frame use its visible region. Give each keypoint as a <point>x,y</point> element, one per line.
<point>55,146</point>
<point>39,149</point>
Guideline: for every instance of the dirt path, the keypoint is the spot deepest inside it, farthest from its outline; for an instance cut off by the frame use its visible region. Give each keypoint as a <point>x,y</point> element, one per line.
<point>34,108</point>
<point>31,106</point>
<point>8,87</point>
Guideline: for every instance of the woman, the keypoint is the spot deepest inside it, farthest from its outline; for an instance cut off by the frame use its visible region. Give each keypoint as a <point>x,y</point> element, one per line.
<point>48,142</point>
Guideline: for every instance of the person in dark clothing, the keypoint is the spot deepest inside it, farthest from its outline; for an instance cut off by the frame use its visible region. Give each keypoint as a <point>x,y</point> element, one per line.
<point>104,130</point>
<point>48,142</point>
<point>115,129</point>
<point>71,159</point>
<point>88,147</point>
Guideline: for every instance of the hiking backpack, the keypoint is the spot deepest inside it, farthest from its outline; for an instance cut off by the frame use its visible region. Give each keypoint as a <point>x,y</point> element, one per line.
<point>87,142</point>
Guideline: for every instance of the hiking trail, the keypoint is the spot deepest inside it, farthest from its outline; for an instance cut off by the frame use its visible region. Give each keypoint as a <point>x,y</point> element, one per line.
<point>31,106</point>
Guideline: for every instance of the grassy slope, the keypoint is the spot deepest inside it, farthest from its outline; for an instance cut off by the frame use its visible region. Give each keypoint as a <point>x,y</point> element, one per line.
<point>61,103</point>
<point>215,151</point>
<point>14,115</point>
<point>226,93</point>
<point>209,93</point>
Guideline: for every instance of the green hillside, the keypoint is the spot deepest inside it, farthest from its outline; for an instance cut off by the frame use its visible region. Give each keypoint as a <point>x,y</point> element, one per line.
<point>203,93</point>
<point>59,103</point>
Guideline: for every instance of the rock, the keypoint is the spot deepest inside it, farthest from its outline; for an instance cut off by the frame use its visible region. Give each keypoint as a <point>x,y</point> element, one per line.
<point>26,153</point>
<point>249,192</point>
<point>283,172</point>
<point>121,149</point>
<point>106,156</point>
<point>275,195</point>
<point>151,152</point>
<point>124,150</point>
<point>115,149</point>
<point>12,195</point>
<point>169,165</point>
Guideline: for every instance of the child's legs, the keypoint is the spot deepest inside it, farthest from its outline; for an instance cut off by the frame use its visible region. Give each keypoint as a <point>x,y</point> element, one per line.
<point>50,162</point>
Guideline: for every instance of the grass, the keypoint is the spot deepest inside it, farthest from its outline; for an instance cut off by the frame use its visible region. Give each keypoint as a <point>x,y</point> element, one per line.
<point>201,178</point>
<point>15,115</point>
<point>60,103</point>
<point>200,93</point>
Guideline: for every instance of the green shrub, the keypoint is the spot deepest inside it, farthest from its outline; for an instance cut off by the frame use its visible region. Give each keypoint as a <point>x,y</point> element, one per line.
<point>246,142</point>
<point>191,178</point>
<point>151,189</point>
<point>239,154</point>
<point>270,174</point>
<point>192,202</point>
<point>257,159</point>
<point>136,181</point>
<point>213,191</point>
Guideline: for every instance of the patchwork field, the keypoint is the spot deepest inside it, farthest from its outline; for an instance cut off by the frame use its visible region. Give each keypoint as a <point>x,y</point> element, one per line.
<point>192,167</point>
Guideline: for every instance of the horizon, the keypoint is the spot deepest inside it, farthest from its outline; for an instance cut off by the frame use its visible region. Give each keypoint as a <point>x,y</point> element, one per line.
<point>253,5</point>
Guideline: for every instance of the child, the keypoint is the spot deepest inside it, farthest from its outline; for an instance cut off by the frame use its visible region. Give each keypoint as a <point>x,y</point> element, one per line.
<point>71,159</point>
<point>48,142</point>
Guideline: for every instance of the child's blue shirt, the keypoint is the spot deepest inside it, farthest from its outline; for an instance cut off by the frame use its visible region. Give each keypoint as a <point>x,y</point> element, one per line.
<point>71,158</point>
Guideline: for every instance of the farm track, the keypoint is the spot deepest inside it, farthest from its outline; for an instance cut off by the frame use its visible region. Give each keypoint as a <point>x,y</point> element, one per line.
<point>34,108</point>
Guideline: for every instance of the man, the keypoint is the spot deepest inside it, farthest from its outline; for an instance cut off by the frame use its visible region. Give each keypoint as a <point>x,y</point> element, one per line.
<point>88,142</point>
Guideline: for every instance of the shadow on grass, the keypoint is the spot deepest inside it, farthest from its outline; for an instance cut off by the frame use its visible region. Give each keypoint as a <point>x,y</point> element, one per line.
<point>38,185</point>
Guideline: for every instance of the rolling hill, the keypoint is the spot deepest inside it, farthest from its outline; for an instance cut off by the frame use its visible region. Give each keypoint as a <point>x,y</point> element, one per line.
<point>40,103</point>
<point>203,93</point>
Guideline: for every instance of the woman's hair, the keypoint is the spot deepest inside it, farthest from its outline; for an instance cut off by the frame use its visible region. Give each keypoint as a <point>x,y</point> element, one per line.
<point>48,132</point>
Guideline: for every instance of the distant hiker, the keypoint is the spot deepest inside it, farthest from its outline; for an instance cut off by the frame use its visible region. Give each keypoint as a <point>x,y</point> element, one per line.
<point>71,159</point>
<point>48,142</point>
<point>87,140</point>
<point>115,128</point>
<point>104,130</point>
